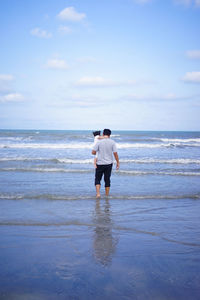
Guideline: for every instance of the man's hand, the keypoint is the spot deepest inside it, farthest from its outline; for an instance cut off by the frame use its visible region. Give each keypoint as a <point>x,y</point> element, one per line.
<point>117,159</point>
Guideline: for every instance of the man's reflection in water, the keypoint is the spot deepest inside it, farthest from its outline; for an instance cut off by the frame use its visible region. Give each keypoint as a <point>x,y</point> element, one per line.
<point>104,242</point>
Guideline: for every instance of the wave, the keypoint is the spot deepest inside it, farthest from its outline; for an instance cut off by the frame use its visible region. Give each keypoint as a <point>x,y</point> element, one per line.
<point>92,197</point>
<point>57,170</point>
<point>53,160</point>
<point>158,145</point>
<point>74,161</point>
<point>11,138</point>
<point>162,161</point>
<point>17,139</point>
<point>84,145</point>
<point>175,140</point>
<point>47,146</point>
<point>11,197</point>
<point>139,173</point>
<point>118,172</point>
<point>90,161</point>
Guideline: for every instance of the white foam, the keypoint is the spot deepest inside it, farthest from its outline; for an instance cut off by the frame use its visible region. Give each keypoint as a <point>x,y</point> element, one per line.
<point>85,145</point>
<point>137,145</point>
<point>122,172</point>
<point>158,145</point>
<point>20,159</point>
<point>45,170</point>
<point>47,146</point>
<point>90,161</point>
<point>75,161</point>
<point>162,161</point>
<point>11,197</point>
<point>9,138</point>
<point>17,139</point>
<point>60,160</point>
<point>130,172</point>
<point>171,140</point>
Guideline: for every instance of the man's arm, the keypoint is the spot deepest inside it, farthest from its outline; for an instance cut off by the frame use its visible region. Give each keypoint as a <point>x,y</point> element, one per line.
<point>117,159</point>
<point>95,149</point>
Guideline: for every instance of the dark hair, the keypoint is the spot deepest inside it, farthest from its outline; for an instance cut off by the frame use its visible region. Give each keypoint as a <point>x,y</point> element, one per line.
<point>96,133</point>
<point>107,132</point>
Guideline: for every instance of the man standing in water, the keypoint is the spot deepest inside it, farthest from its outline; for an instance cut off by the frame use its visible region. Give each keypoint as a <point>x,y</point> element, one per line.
<point>105,148</point>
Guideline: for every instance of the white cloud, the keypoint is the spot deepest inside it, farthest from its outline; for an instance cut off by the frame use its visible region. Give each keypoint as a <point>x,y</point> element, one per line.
<point>6,89</point>
<point>41,33</point>
<point>70,14</point>
<point>78,100</point>
<point>81,100</point>
<point>193,77</point>
<point>58,64</point>
<point>12,97</point>
<point>172,96</point>
<point>6,77</point>
<point>156,97</point>
<point>65,30</point>
<point>102,82</point>
<point>94,82</point>
<point>6,82</point>
<point>86,101</point>
<point>194,54</point>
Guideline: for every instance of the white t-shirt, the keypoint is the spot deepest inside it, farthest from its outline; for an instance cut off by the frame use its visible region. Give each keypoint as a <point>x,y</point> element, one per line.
<point>96,139</point>
<point>105,149</point>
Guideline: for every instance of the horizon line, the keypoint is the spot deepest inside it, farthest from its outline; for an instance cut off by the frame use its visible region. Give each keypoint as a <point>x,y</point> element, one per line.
<point>136,130</point>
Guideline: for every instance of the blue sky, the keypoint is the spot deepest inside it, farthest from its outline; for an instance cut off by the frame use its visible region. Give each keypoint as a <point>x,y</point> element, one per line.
<point>84,64</point>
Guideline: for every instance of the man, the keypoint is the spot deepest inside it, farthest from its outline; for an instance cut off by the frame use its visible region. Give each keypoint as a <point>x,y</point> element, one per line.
<point>105,148</point>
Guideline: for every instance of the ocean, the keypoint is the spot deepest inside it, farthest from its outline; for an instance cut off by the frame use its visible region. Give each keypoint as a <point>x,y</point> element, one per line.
<point>59,242</point>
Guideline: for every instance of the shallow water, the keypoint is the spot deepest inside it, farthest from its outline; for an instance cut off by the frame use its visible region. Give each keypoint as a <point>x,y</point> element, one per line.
<point>100,249</point>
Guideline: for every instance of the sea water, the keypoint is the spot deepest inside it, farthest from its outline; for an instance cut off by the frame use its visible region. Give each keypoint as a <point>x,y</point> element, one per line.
<point>59,164</point>
<point>62,243</point>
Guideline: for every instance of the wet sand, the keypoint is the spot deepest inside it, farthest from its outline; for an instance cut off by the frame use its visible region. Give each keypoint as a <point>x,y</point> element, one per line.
<point>100,249</point>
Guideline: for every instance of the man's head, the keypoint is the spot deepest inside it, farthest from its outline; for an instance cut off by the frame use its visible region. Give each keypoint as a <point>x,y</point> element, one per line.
<point>107,132</point>
<point>95,133</point>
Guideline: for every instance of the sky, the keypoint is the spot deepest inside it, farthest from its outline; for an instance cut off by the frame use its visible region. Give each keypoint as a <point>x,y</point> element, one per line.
<point>85,64</point>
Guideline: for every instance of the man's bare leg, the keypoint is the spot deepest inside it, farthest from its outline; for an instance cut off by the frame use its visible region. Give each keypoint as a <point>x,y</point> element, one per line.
<point>107,190</point>
<point>98,190</point>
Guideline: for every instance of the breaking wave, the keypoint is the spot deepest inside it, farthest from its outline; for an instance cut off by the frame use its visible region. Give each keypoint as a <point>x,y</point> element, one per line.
<point>84,145</point>
<point>118,172</point>
<point>47,146</point>
<point>175,173</point>
<point>162,161</point>
<point>171,140</point>
<point>90,161</point>
<point>57,170</point>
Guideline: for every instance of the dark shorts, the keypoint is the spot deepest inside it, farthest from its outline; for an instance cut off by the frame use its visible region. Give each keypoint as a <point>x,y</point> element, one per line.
<point>103,170</point>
